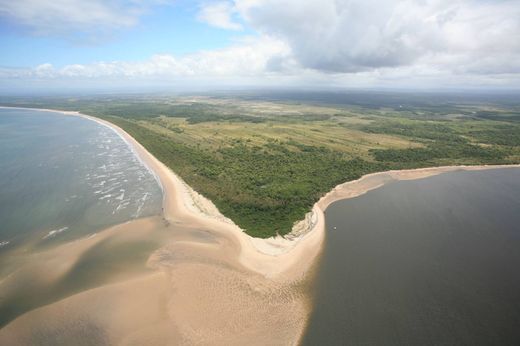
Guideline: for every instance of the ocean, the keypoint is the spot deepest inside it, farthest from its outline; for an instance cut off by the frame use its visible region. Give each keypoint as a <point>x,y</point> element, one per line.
<point>64,177</point>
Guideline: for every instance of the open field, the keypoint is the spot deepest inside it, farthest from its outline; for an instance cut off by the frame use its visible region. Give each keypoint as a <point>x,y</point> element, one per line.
<point>264,161</point>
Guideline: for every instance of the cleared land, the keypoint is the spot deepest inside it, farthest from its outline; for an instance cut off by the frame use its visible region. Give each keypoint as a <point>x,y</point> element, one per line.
<point>264,162</point>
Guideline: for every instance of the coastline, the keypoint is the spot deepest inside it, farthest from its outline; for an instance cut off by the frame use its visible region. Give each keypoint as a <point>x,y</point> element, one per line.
<point>276,257</point>
<point>266,265</point>
<point>283,259</point>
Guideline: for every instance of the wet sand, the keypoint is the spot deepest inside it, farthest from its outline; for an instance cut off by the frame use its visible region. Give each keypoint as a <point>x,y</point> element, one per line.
<point>205,281</point>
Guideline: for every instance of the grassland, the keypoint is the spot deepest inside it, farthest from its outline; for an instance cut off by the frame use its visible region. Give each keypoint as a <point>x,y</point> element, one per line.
<point>265,162</point>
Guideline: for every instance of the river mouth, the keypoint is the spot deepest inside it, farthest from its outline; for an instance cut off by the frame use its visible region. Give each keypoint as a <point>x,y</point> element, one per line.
<point>430,261</point>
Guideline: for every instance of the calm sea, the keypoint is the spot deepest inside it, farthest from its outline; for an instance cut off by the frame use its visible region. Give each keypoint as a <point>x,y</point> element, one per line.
<point>426,262</point>
<point>63,177</point>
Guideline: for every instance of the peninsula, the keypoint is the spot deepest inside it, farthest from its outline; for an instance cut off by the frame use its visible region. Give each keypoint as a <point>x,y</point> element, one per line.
<point>264,161</point>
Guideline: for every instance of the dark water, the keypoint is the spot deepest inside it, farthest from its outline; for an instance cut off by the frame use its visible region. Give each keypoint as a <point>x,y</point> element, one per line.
<point>62,177</point>
<point>426,262</point>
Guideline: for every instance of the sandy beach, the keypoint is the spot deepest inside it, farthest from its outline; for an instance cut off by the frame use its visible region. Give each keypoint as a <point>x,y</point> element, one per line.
<point>205,282</point>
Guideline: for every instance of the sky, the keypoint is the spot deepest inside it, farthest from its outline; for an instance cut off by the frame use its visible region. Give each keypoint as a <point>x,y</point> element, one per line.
<point>181,44</point>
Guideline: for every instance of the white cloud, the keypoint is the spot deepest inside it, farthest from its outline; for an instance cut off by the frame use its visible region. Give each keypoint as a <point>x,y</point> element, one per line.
<point>402,43</point>
<point>246,58</point>
<point>64,16</point>
<point>219,14</point>
<point>345,36</point>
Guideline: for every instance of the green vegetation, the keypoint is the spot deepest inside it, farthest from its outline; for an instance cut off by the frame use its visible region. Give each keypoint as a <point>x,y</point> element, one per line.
<point>265,163</point>
<point>448,140</point>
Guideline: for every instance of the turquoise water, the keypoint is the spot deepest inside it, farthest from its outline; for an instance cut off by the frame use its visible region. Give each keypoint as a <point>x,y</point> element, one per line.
<point>425,262</point>
<point>63,177</point>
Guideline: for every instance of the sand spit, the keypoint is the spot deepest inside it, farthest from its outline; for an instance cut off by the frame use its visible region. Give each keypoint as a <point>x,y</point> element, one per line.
<point>202,286</point>
<point>206,282</point>
<point>276,258</point>
<point>372,181</point>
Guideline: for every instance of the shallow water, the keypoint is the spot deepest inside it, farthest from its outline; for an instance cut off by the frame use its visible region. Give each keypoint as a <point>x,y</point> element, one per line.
<point>63,177</point>
<point>426,262</point>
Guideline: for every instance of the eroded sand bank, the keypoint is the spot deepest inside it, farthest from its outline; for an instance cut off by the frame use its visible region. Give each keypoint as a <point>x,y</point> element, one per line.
<point>205,281</point>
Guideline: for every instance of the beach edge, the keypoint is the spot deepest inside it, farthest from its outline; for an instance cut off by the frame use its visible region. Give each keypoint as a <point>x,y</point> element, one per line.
<point>285,258</point>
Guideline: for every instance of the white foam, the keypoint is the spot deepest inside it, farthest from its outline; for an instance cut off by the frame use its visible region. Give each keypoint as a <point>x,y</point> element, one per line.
<point>110,189</point>
<point>132,149</point>
<point>55,232</point>
<point>141,201</point>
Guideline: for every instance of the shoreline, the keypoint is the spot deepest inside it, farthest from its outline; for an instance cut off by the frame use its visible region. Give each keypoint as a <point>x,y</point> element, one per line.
<point>277,258</point>
<point>283,258</point>
<point>263,267</point>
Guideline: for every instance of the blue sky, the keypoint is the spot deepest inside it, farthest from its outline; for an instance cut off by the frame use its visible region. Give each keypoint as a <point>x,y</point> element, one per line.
<point>163,29</point>
<point>312,43</point>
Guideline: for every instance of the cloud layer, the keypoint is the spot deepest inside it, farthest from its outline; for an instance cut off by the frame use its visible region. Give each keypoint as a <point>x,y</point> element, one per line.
<point>248,57</point>
<point>343,42</point>
<point>61,17</point>
<point>344,36</point>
